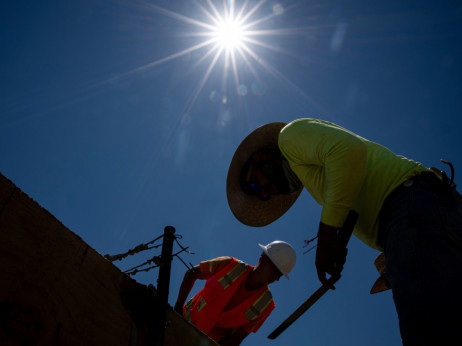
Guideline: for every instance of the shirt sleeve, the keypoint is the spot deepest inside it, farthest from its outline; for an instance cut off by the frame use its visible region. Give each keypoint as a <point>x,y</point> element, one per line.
<point>330,162</point>
<point>213,266</point>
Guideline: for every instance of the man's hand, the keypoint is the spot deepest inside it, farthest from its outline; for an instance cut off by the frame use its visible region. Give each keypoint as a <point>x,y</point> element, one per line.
<point>330,254</point>
<point>179,308</point>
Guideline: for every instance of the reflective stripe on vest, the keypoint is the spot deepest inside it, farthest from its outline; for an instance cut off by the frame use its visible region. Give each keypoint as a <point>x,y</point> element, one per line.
<point>202,303</point>
<point>187,311</point>
<point>231,276</point>
<point>260,304</point>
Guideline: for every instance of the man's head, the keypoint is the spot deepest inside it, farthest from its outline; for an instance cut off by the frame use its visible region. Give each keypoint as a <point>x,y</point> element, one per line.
<point>262,174</point>
<point>257,189</point>
<point>279,257</point>
<point>267,271</point>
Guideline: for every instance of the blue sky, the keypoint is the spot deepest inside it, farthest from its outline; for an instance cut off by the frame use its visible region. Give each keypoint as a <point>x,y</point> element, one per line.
<point>117,122</point>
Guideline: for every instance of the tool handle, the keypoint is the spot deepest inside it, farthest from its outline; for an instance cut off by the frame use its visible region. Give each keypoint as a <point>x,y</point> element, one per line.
<point>344,234</point>
<point>302,308</point>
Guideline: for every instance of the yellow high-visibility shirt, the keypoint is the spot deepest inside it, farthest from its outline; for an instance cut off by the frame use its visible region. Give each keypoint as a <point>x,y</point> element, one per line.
<point>344,171</point>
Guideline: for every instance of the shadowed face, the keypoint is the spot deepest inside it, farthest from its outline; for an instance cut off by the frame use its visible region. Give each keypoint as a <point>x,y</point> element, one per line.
<point>262,175</point>
<point>263,186</point>
<point>268,272</point>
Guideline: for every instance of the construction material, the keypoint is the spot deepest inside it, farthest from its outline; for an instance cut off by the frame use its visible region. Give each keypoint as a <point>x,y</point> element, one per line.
<point>344,235</point>
<point>58,290</point>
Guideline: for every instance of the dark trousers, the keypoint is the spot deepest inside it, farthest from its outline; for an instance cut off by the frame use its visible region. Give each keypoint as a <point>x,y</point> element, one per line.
<point>421,232</point>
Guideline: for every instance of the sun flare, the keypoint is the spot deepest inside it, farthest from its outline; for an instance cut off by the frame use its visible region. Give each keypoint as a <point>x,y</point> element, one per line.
<point>229,34</point>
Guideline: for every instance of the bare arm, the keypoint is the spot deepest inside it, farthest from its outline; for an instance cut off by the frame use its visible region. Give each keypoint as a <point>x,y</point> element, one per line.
<point>189,279</point>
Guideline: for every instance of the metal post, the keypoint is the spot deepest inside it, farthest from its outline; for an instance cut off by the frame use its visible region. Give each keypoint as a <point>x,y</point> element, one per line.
<point>163,282</point>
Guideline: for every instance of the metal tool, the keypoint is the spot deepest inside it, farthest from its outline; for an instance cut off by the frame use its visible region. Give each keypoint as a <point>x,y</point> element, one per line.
<point>344,234</point>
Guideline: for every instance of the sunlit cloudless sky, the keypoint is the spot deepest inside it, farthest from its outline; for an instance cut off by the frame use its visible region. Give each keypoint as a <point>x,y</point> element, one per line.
<point>120,118</point>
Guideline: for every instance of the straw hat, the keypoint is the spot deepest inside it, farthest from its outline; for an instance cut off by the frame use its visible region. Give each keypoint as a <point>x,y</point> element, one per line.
<point>249,209</point>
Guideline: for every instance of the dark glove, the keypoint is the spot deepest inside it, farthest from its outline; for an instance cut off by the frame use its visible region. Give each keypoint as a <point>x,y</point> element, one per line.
<point>330,254</point>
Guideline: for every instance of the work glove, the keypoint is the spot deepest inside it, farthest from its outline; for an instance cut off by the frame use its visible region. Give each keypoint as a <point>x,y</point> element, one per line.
<point>330,255</point>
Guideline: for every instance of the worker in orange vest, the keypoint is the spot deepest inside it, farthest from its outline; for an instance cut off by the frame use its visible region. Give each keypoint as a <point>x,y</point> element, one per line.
<point>235,300</point>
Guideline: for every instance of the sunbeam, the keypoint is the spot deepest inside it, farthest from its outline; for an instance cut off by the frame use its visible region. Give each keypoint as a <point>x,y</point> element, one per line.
<point>230,33</point>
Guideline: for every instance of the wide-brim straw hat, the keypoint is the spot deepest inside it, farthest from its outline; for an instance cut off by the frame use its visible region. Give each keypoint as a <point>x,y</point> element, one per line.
<point>249,209</point>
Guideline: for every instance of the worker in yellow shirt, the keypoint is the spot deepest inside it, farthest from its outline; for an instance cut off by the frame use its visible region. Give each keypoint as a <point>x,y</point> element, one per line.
<point>412,213</point>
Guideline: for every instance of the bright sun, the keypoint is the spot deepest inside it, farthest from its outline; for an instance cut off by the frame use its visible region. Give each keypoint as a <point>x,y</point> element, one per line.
<point>229,34</point>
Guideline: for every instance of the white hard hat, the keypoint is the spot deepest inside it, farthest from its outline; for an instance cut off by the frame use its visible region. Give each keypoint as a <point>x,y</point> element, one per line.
<point>282,254</point>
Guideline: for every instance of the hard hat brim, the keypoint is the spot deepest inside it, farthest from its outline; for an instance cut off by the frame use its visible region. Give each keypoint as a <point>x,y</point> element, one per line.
<point>265,250</point>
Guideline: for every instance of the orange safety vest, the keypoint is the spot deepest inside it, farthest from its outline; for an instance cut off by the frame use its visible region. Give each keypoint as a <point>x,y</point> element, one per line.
<point>205,309</point>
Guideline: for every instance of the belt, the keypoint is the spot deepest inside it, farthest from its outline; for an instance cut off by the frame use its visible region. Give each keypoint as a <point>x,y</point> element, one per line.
<point>426,179</point>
